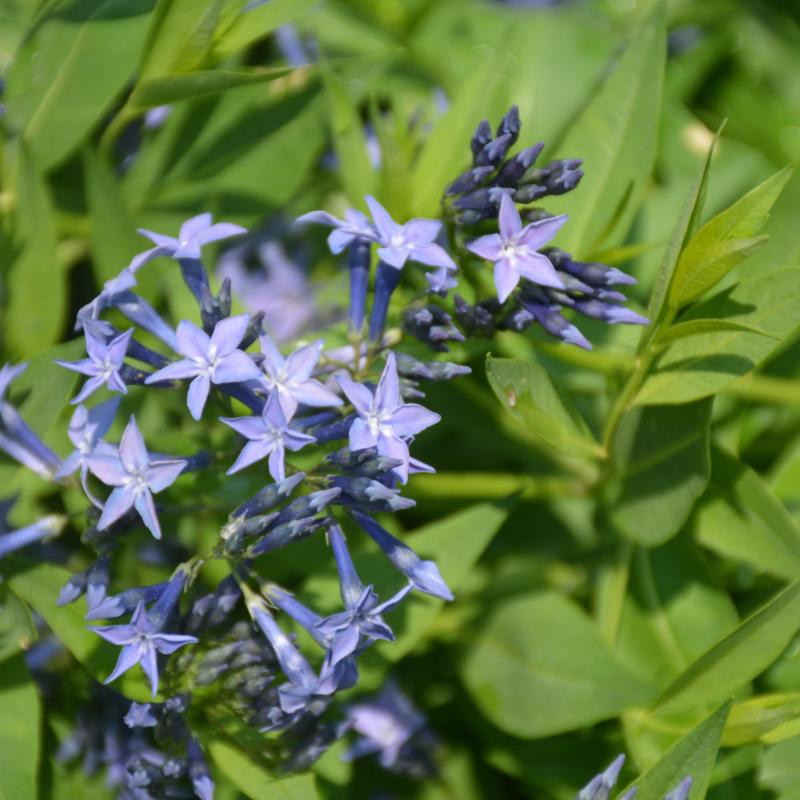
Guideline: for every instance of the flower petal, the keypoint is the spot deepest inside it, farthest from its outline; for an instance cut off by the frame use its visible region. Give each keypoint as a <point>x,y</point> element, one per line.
<point>300,364</point>
<point>273,360</point>
<point>506,278</point>
<point>161,474</point>
<point>538,268</point>
<point>252,452</point>
<point>361,437</point>
<point>119,501</point>
<point>277,467</point>
<point>109,469</point>
<point>249,427</point>
<point>198,394</point>
<point>147,511</point>
<point>386,226</point>
<point>132,450</point>
<point>229,332</point>
<point>421,231</point>
<point>192,342</point>
<point>433,255</point>
<point>236,367</point>
<point>313,393</point>
<point>508,218</point>
<point>538,234</point>
<point>220,231</point>
<point>131,655</point>
<point>185,368</point>
<point>194,226</point>
<point>387,393</point>
<point>358,394</point>
<point>411,418</point>
<point>488,247</point>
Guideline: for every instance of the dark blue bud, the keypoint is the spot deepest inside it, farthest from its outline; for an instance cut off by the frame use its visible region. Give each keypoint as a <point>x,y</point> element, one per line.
<point>473,217</point>
<point>198,771</point>
<point>529,193</point>
<point>445,370</point>
<point>481,137</point>
<point>72,589</point>
<point>370,495</point>
<point>123,603</point>
<point>469,180</point>
<point>97,580</point>
<point>478,319</point>
<point>495,151</point>
<point>337,430</point>
<point>269,497</point>
<point>512,171</point>
<point>409,367</point>
<point>510,124</point>
<point>285,534</point>
<point>478,200</point>
<point>255,329</point>
<point>551,319</point>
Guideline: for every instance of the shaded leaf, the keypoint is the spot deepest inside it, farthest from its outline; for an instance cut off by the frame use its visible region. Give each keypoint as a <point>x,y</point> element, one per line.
<point>37,292</point>
<point>527,392</point>
<point>254,781</point>
<point>70,70</point>
<point>741,518</point>
<point>683,330</point>
<point>172,88</point>
<point>539,667</point>
<point>20,734</point>
<point>662,464</point>
<point>616,136</point>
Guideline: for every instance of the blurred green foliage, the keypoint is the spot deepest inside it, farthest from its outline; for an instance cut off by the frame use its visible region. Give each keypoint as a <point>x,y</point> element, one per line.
<point>625,548</point>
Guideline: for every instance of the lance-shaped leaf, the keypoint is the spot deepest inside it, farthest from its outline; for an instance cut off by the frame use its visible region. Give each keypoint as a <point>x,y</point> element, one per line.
<point>527,392</point>
<point>763,718</point>
<point>725,240</point>
<point>741,518</point>
<point>702,365</point>
<point>695,327</point>
<point>69,71</point>
<point>662,463</point>
<point>738,658</point>
<point>692,756</point>
<point>616,137</point>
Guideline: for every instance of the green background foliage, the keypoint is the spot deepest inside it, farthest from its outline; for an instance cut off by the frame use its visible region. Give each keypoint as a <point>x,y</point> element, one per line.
<point>620,527</point>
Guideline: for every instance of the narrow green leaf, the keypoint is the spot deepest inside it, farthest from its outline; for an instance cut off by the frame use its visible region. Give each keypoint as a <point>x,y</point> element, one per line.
<point>739,657</point>
<point>255,23</point>
<point>70,70</point>
<point>693,755</point>
<point>704,364</point>
<point>540,667</point>
<point>36,284</point>
<point>179,39</point>
<point>684,228</point>
<point>201,83</point>
<point>616,136</point>
<point>445,154</point>
<point>756,718</point>
<point>355,167</point>
<point>527,392</point>
<point>672,612</point>
<point>683,330</point>
<point>112,238</point>
<point>254,781</point>
<point>662,466</point>
<point>741,518</point>
<point>725,240</point>
<point>20,734</point>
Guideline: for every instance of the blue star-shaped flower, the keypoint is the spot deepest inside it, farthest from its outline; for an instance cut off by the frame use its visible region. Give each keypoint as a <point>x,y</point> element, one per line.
<point>103,364</point>
<point>355,225</point>
<point>86,430</point>
<point>136,477</point>
<point>513,250</point>
<point>385,421</point>
<point>303,685</point>
<point>291,377</point>
<point>194,234</point>
<point>209,359</point>
<point>362,614</point>
<point>140,642</point>
<point>412,241</point>
<point>269,435</point>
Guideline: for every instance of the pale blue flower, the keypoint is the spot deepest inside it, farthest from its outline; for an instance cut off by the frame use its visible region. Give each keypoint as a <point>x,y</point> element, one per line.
<point>514,250</point>
<point>291,379</point>
<point>209,359</point>
<point>384,421</point>
<point>141,641</point>
<point>136,476</point>
<point>103,364</point>
<point>269,435</point>
<point>355,225</point>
